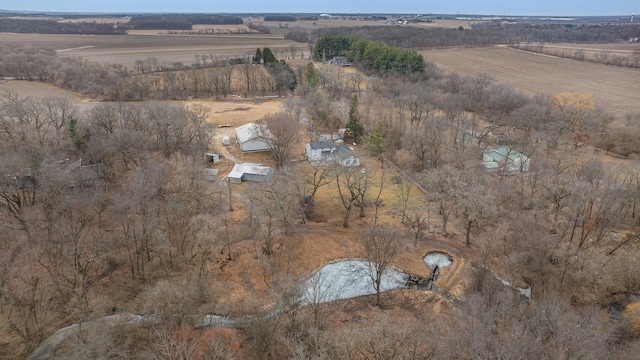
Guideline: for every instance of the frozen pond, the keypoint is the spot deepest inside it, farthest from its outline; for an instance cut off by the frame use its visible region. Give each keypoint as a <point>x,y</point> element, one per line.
<point>348,279</point>
<point>336,281</point>
<point>436,259</point>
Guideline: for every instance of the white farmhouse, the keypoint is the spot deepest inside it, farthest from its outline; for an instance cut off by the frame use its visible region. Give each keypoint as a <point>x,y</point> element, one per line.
<point>327,152</point>
<point>319,150</point>
<point>247,138</point>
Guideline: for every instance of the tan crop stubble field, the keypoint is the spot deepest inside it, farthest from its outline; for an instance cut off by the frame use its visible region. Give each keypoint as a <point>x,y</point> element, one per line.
<point>614,88</point>
<point>126,49</point>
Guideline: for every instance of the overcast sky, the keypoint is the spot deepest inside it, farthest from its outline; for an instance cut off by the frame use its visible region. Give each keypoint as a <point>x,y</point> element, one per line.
<point>480,7</point>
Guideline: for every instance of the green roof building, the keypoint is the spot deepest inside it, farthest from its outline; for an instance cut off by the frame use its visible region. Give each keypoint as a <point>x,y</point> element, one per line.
<point>505,160</point>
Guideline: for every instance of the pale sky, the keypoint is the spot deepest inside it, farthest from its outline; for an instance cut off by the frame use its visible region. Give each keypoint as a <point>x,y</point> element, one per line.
<point>479,7</point>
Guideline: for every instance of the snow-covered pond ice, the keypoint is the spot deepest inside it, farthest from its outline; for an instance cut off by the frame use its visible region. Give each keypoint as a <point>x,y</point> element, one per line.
<point>437,259</point>
<point>348,279</point>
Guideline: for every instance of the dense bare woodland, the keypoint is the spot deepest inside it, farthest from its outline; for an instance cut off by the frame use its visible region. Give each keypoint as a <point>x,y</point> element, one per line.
<point>105,213</point>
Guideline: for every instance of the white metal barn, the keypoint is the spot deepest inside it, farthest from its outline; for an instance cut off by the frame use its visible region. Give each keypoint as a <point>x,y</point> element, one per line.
<point>246,135</point>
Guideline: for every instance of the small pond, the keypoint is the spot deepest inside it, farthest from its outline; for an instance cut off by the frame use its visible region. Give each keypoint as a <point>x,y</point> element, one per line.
<point>348,279</point>
<point>439,260</point>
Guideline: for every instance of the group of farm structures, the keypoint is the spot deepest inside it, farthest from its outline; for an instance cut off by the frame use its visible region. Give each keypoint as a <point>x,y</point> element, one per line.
<point>105,211</point>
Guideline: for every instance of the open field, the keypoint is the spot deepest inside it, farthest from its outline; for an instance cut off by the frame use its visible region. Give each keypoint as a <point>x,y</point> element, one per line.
<point>169,48</point>
<point>126,49</point>
<point>333,23</point>
<point>614,88</point>
<point>622,47</point>
<point>44,90</point>
<point>619,54</point>
<point>210,29</point>
<point>175,48</point>
<point>228,46</point>
<point>449,23</point>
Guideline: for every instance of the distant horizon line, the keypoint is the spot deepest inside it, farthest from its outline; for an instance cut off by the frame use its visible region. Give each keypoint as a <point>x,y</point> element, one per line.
<point>46,12</point>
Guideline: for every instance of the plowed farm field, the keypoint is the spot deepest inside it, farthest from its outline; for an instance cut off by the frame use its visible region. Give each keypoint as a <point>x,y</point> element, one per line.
<point>126,49</point>
<point>614,88</point>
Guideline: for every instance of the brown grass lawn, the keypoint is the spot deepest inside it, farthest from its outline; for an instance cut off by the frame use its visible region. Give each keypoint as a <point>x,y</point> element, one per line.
<point>614,88</point>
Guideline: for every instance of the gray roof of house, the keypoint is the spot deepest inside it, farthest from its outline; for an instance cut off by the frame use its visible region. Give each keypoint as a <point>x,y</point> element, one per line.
<point>343,152</point>
<point>322,145</point>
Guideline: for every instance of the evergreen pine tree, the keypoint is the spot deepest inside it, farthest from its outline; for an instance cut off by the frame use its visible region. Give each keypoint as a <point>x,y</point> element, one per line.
<point>375,141</point>
<point>311,75</point>
<point>268,56</point>
<point>258,57</point>
<point>353,126</point>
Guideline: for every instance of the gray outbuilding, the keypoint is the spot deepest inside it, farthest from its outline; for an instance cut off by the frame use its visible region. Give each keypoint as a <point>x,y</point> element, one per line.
<point>250,172</point>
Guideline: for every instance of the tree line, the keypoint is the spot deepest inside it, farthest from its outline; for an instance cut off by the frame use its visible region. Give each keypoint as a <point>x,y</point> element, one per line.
<point>140,22</point>
<point>479,34</point>
<point>369,55</point>
<point>180,21</point>
<point>209,75</point>
<point>280,18</point>
<point>39,26</point>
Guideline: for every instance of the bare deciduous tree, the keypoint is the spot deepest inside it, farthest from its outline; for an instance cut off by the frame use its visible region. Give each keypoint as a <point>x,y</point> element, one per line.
<point>476,208</point>
<point>279,132</point>
<point>352,189</point>
<point>402,191</point>
<point>378,248</point>
<point>316,177</point>
<point>446,185</point>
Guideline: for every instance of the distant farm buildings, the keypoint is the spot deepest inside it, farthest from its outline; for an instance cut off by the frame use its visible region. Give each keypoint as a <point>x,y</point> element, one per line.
<point>249,137</point>
<point>339,61</point>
